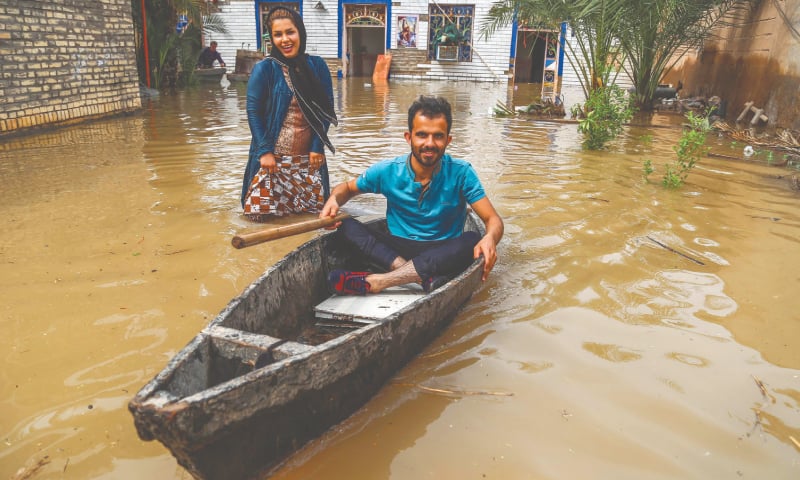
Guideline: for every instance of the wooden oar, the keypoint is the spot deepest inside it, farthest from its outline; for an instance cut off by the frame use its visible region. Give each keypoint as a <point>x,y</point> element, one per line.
<point>268,234</point>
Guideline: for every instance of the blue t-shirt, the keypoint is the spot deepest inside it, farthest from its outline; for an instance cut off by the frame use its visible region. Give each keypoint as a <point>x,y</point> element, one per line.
<point>435,213</point>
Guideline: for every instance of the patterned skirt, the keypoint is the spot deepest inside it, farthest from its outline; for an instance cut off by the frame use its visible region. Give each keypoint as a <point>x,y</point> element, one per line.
<point>292,189</point>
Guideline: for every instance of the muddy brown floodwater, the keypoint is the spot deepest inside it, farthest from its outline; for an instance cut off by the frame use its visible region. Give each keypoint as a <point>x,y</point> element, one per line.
<point>627,332</point>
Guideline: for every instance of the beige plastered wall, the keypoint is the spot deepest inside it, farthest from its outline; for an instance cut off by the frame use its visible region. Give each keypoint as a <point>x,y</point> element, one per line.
<point>756,61</point>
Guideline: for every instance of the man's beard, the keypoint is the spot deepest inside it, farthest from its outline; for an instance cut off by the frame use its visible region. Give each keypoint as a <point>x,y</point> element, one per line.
<point>422,160</point>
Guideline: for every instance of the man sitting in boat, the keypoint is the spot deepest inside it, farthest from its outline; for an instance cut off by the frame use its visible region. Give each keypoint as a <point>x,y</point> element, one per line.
<point>427,194</point>
<point>208,56</point>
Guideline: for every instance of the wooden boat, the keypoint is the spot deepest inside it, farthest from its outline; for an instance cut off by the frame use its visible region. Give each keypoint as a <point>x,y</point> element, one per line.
<point>285,361</point>
<point>210,74</point>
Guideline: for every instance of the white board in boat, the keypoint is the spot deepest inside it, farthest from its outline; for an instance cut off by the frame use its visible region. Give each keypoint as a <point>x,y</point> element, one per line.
<point>368,308</point>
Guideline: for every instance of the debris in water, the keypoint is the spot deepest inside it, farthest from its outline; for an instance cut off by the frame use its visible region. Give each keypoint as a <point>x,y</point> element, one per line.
<point>761,386</point>
<point>674,251</point>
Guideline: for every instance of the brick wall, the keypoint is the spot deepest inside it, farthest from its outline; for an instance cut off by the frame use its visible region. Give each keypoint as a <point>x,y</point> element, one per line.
<point>63,61</point>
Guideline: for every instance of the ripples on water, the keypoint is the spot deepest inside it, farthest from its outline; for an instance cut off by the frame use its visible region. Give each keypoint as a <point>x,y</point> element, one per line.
<point>623,334</point>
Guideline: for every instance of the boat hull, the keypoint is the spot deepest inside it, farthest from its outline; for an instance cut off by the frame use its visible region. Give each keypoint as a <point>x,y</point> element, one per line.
<point>223,415</point>
<point>210,74</point>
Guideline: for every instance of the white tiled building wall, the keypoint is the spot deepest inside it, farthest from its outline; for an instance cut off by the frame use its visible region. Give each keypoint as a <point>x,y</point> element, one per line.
<point>240,21</point>
<point>321,28</point>
<point>490,57</point>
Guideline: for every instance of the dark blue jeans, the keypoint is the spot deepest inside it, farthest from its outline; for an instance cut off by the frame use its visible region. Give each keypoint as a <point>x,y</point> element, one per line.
<point>431,258</point>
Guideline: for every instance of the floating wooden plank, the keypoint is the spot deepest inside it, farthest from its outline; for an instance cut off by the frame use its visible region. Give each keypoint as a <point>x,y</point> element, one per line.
<point>758,114</point>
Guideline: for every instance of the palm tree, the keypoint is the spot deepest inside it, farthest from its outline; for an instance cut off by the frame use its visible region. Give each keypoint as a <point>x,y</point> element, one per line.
<point>596,58</point>
<point>647,37</point>
<point>595,23</point>
<point>656,34</point>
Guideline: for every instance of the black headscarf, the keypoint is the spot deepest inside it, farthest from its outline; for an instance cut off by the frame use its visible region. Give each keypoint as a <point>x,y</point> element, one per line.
<point>308,90</point>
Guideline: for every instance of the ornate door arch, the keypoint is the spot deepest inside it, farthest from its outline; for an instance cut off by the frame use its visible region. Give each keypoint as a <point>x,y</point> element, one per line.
<point>364,38</point>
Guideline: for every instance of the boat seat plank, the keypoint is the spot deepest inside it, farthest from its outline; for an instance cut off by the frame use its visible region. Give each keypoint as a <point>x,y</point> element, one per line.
<point>250,346</point>
<point>240,336</point>
<point>368,308</point>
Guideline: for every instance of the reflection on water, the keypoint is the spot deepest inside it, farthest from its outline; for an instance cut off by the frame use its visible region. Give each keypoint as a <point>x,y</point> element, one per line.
<point>627,331</point>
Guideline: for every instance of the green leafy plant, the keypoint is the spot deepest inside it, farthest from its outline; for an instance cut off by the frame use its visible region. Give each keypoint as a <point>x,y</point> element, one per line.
<point>597,56</point>
<point>448,34</point>
<point>171,52</point>
<point>603,115</point>
<point>648,167</point>
<point>645,38</point>
<point>691,146</point>
<point>655,34</point>
<point>672,177</point>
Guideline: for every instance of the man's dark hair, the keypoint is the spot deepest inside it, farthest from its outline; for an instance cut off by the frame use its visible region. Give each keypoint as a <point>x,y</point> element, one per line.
<point>213,43</point>
<point>430,107</point>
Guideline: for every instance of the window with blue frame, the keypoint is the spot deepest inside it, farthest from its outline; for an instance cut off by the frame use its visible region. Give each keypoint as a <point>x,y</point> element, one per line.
<point>450,31</point>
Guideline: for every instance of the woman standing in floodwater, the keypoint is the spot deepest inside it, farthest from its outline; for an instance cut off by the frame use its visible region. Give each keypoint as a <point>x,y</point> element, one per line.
<point>289,110</point>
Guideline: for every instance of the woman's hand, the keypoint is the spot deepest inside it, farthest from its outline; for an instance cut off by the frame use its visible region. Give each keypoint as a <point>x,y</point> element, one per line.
<point>316,160</point>
<point>268,163</point>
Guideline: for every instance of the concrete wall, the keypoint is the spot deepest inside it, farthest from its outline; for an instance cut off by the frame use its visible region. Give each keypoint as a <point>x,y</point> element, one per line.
<point>758,61</point>
<point>63,61</point>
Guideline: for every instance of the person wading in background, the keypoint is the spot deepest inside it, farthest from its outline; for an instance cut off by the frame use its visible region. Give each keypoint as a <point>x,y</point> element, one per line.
<point>208,56</point>
<point>289,111</point>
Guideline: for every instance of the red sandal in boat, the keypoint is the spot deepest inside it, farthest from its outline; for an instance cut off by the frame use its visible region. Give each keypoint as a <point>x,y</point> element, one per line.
<point>345,282</point>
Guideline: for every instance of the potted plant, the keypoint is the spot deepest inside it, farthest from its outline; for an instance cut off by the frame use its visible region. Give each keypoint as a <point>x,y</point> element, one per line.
<point>447,39</point>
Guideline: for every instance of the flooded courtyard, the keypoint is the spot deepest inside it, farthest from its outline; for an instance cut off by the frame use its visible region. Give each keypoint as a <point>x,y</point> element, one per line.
<point>627,332</point>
